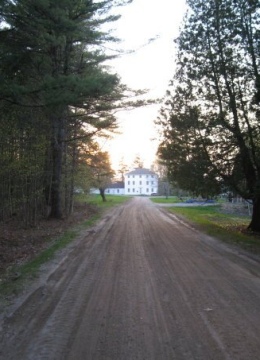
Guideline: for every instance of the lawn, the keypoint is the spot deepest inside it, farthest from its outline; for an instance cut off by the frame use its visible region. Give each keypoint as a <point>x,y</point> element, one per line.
<point>230,228</point>
<point>96,200</point>
<point>164,200</point>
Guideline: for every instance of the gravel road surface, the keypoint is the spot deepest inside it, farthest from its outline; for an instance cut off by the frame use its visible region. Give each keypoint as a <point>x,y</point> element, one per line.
<point>139,285</point>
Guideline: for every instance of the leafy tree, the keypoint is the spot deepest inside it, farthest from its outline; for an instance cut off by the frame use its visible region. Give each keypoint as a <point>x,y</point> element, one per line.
<point>101,170</point>
<point>211,118</point>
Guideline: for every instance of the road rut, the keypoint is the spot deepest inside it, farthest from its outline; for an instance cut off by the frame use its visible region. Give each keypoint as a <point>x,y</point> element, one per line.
<point>140,285</point>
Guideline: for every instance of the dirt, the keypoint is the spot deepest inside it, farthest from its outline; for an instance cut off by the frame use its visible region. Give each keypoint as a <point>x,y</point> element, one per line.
<point>19,244</point>
<point>141,284</point>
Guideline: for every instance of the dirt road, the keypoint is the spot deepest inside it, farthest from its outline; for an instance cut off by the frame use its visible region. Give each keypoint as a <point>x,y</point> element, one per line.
<point>140,285</point>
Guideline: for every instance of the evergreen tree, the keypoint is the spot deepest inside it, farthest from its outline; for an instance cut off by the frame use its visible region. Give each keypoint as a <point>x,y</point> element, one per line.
<point>51,60</point>
<point>211,119</point>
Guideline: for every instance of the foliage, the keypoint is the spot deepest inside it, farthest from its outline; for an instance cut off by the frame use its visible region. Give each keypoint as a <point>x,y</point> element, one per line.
<point>55,95</point>
<point>211,118</point>
<point>101,170</point>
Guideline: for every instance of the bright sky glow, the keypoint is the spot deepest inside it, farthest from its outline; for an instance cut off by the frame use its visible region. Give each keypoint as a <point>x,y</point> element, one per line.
<point>151,67</point>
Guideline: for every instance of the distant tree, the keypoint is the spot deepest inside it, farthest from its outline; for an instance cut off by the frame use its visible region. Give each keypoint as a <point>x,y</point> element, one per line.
<point>123,168</point>
<point>101,170</point>
<point>164,185</point>
<point>211,118</point>
<point>138,162</point>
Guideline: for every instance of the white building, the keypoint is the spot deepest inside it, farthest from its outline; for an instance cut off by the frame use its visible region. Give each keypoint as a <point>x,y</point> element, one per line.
<point>141,182</point>
<point>116,188</point>
<point>137,182</point>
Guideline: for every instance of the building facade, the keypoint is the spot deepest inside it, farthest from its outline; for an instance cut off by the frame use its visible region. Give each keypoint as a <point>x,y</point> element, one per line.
<point>117,188</point>
<point>141,182</point>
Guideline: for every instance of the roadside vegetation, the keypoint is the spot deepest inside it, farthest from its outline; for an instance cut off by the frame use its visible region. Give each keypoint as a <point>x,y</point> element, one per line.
<point>96,200</point>
<point>230,228</point>
<point>21,269</point>
<point>209,121</point>
<point>57,100</point>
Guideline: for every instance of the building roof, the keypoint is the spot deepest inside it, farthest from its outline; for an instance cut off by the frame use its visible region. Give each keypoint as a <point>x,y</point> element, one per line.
<point>116,185</point>
<point>141,171</point>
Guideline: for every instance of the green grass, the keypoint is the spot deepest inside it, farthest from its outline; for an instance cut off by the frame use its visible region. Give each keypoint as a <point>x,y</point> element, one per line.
<point>111,200</point>
<point>226,227</point>
<point>163,200</point>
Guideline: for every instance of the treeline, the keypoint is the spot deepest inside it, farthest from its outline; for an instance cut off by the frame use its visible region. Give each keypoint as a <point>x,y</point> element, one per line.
<point>55,96</point>
<point>210,120</point>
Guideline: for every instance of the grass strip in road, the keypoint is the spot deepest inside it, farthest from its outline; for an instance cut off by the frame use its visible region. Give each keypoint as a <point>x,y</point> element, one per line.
<point>226,227</point>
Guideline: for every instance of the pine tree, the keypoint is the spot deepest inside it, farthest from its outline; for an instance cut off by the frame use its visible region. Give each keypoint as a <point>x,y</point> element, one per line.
<point>51,60</point>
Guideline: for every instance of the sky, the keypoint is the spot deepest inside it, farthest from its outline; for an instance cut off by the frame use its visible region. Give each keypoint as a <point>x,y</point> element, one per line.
<point>150,66</point>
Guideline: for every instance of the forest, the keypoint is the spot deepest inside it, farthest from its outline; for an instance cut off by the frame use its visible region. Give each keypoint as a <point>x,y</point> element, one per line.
<point>57,98</point>
<point>210,119</point>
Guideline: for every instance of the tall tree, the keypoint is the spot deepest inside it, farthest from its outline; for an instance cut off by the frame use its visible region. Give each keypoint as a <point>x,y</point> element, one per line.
<point>51,59</point>
<point>214,107</point>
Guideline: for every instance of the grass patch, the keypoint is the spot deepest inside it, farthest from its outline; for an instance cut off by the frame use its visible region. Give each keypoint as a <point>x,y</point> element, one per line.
<point>96,200</point>
<point>226,227</point>
<point>163,200</point>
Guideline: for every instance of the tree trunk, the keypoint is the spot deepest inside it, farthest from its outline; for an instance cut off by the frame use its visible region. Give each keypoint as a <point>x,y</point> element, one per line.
<point>102,194</point>
<point>255,221</point>
<point>57,157</point>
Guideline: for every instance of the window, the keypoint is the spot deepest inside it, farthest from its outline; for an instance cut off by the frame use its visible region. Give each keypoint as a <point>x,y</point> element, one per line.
<point>152,190</point>
<point>118,191</point>
<point>133,189</point>
<point>108,191</point>
<point>133,176</point>
<point>140,182</point>
<point>140,176</point>
<point>147,190</point>
<point>128,182</point>
<point>128,190</point>
<point>147,182</point>
<point>133,183</point>
<point>152,182</point>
